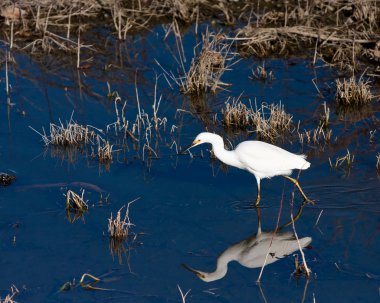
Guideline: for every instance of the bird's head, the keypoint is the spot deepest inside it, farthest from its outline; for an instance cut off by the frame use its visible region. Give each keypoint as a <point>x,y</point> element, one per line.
<point>204,276</point>
<point>205,137</point>
<point>201,138</point>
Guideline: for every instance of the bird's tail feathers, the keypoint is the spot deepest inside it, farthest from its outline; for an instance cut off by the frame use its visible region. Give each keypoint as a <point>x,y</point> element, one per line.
<point>305,164</point>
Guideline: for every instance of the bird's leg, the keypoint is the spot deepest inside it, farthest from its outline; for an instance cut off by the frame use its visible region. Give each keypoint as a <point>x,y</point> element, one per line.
<point>258,213</point>
<point>295,182</point>
<point>258,193</point>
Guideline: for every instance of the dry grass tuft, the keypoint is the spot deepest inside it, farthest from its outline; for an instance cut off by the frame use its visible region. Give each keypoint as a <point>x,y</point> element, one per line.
<point>71,134</point>
<point>118,228</point>
<point>146,131</point>
<point>119,232</point>
<point>261,73</point>
<point>10,297</point>
<point>49,25</point>
<point>339,32</point>
<point>104,150</point>
<point>69,140</point>
<point>352,93</point>
<point>318,136</point>
<point>272,122</point>
<point>347,159</point>
<point>236,115</point>
<point>208,67</point>
<point>76,203</point>
<point>324,121</point>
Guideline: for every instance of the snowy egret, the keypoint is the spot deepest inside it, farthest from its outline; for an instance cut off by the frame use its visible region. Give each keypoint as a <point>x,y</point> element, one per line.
<point>252,251</point>
<point>261,159</point>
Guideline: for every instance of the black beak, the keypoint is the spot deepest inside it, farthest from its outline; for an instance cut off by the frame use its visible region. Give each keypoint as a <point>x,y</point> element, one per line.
<point>195,142</point>
<point>199,274</point>
<point>190,269</point>
<point>186,149</point>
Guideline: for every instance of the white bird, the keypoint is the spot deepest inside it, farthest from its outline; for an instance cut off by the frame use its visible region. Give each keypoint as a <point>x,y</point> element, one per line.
<point>261,159</point>
<point>262,248</point>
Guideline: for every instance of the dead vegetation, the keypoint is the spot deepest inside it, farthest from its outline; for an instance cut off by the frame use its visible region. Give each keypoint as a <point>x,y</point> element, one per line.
<point>104,152</point>
<point>261,73</point>
<point>337,32</point>
<point>86,282</point>
<point>69,134</point>
<point>119,232</point>
<point>319,136</point>
<point>118,228</point>
<point>353,93</point>
<point>137,134</point>
<point>207,68</point>
<point>76,206</point>
<point>347,160</point>
<point>9,298</point>
<point>70,139</point>
<point>212,57</point>
<point>76,202</point>
<point>61,25</point>
<point>146,132</point>
<point>236,115</point>
<point>270,122</point>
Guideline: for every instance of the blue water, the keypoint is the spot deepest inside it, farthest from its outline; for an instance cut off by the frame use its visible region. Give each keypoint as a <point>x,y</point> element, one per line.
<point>189,210</point>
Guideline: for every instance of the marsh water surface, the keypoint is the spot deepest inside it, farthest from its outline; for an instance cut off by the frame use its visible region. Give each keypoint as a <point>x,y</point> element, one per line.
<point>190,208</point>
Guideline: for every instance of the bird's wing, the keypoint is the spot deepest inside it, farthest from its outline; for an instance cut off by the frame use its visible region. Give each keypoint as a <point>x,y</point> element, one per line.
<point>279,245</point>
<point>266,160</point>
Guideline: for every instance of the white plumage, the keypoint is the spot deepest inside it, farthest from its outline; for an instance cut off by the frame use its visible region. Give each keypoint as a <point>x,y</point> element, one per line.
<point>261,159</point>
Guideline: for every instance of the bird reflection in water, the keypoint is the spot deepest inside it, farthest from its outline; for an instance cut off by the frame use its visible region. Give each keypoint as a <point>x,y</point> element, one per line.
<point>252,252</point>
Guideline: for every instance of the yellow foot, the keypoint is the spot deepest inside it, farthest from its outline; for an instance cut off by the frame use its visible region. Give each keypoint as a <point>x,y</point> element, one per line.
<point>295,182</point>
<point>308,201</point>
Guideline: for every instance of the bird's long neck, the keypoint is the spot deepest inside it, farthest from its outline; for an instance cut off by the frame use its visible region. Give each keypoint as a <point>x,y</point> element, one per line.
<point>226,156</point>
<point>221,268</point>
